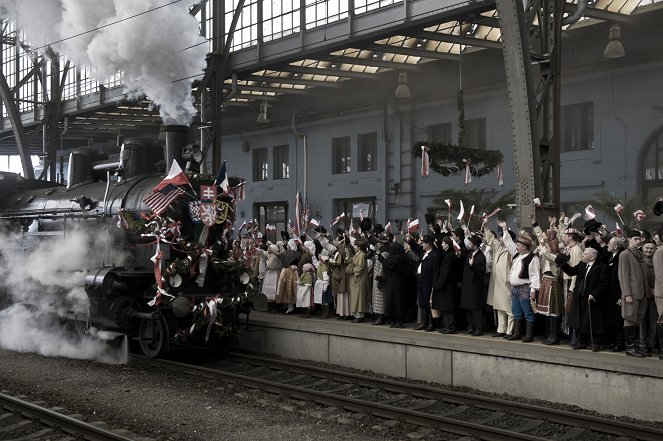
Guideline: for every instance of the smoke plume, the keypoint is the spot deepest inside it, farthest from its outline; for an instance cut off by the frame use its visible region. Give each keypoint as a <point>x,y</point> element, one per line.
<point>156,43</point>
<point>45,280</point>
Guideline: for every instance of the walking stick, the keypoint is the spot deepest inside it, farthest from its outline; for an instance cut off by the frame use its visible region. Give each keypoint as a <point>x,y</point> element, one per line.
<point>589,312</point>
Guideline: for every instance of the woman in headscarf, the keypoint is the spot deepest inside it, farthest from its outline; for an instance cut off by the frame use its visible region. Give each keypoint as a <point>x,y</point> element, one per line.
<point>270,282</point>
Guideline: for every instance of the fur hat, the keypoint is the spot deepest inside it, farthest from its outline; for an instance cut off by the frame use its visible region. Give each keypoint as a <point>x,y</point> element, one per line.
<point>524,238</point>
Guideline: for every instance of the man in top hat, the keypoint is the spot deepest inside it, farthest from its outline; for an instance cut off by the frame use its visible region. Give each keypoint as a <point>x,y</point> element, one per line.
<point>525,280</point>
<point>586,316</point>
<point>475,290</point>
<point>634,282</point>
<point>426,273</point>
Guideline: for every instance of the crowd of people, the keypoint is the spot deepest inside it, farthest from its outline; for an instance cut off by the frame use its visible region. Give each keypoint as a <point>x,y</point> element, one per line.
<point>591,288</point>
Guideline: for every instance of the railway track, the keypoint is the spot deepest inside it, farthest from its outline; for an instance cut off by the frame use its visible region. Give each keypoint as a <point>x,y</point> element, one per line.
<point>22,420</point>
<point>459,413</point>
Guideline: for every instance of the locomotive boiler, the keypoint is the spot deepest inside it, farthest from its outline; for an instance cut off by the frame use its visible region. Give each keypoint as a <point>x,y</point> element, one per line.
<point>162,280</point>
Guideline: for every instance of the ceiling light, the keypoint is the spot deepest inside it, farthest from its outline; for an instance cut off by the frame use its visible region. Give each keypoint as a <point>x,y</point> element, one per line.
<point>402,91</point>
<point>615,48</point>
<point>263,116</point>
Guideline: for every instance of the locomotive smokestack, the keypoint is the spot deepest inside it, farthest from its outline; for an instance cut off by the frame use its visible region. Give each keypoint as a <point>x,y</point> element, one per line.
<point>177,137</point>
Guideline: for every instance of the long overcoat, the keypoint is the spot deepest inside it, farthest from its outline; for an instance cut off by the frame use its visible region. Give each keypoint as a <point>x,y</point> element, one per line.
<point>429,269</point>
<point>474,290</point>
<point>613,312</point>
<point>595,283</point>
<point>444,285</point>
<point>359,283</point>
<point>396,270</point>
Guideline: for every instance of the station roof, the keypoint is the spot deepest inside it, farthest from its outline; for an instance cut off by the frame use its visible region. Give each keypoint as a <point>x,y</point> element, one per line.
<point>359,53</point>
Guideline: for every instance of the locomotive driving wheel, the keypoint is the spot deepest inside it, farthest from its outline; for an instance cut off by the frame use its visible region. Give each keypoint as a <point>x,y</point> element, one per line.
<point>153,336</point>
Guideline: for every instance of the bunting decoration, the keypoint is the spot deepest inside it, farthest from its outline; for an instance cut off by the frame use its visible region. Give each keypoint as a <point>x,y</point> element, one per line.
<point>500,174</point>
<point>468,172</point>
<point>425,162</point>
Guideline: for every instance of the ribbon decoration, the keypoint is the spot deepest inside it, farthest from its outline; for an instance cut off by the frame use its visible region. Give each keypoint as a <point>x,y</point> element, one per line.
<point>500,174</point>
<point>425,162</point>
<point>461,213</point>
<point>202,267</point>
<point>157,258</point>
<point>213,310</point>
<point>468,172</point>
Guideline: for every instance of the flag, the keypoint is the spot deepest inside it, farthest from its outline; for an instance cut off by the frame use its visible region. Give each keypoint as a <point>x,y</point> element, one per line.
<point>314,222</point>
<point>573,218</point>
<point>299,213</point>
<point>338,218</point>
<point>159,201</point>
<point>493,213</point>
<point>537,202</point>
<point>639,215</point>
<point>618,208</point>
<point>238,191</point>
<point>387,228</point>
<point>270,227</point>
<point>425,162</point>
<point>292,229</point>
<point>618,230</point>
<point>222,178</point>
<point>448,202</point>
<point>500,174</point>
<point>472,210</point>
<point>413,226</point>
<point>589,212</point>
<point>241,227</point>
<point>175,177</point>
<point>461,213</point>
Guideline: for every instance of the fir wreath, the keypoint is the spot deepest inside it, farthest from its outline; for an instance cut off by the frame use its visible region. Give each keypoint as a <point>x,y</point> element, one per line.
<point>450,159</point>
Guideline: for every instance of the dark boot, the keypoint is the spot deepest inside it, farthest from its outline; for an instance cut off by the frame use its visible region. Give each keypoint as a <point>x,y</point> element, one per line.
<point>546,335</point>
<point>529,332</point>
<point>659,332</point>
<point>433,324</point>
<point>637,342</point>
<point>379,320</point>
<point>307,313</point>
<point>325,311</point>
<point>517,331</point>
<point>554,331</point>
<point>425,315</point>
<point>631,342</point>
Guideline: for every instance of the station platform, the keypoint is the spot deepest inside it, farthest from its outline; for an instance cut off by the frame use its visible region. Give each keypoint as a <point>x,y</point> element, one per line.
<point>609,383</point>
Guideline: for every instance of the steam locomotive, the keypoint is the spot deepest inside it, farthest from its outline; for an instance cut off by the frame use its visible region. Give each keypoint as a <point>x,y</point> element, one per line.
<point>172,287</point>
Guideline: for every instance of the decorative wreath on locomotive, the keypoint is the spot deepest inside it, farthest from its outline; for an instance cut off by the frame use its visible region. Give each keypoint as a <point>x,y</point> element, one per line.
<point>177,284</point>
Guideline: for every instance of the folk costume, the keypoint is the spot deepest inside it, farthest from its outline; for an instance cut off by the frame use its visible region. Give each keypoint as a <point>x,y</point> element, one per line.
<point>499,292</point>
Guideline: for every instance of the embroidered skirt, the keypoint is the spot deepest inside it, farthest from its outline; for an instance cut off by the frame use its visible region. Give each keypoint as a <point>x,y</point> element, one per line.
<point>550,299</point>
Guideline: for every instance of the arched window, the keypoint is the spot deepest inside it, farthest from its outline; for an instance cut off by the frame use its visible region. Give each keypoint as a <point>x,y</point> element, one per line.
<point>651,169</point>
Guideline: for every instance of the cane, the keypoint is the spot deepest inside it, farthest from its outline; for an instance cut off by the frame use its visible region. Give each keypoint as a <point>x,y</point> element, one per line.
<point>589,312</point>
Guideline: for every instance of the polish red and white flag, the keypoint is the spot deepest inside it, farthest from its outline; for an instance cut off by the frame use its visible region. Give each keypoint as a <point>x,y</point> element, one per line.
<point>413,226</point>
<point>619,208</point>
<point>589,213</point>
<point>639,215</point>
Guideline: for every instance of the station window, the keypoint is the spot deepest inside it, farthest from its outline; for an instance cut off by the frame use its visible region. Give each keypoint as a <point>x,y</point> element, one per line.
<point>341,155</point>
<point>355,209</point>
<point>260,165</point>
<point>272,213</point>
<point>439,133</point>
<point>368,148</point>
<point>281,162</point>
<point>577,128</point>
<point>475,133</point>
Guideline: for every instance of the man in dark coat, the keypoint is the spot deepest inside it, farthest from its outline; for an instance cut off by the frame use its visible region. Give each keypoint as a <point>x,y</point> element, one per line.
<point>444,286</point>
<point>474,291</point>
<point>426,271</point>
<point>396,269</point>
<point>614,323</point>
<point>587,312</point>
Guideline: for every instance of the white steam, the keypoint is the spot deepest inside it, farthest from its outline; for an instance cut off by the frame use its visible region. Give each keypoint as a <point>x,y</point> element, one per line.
<point>159,51</point>
<point>45,279</point>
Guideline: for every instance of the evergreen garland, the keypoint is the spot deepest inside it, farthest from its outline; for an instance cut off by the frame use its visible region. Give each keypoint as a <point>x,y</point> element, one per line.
<point>449,159</point>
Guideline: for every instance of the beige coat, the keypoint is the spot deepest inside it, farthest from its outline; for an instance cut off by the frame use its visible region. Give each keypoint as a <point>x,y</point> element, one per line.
<point>359,283</point>
<point>499,291</point>
<point>658,273</point>
<point>631,278</point>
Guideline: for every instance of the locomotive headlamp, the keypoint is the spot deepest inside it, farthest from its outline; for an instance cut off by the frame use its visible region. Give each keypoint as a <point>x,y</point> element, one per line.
<point>244,278</point>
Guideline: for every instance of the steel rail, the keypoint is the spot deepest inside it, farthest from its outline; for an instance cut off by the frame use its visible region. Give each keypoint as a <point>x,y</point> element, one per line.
<point>353,404</point>
<point>591,422</point>
<point>63,422</point>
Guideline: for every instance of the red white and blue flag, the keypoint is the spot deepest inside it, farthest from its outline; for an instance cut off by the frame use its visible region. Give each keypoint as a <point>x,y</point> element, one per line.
<point>174,177</point>
<point>222,178</point>
<point>161,200</point>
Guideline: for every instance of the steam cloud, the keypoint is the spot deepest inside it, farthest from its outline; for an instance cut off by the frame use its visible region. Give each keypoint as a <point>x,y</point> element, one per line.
<point>46,279</point>
<point>157,50</point>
